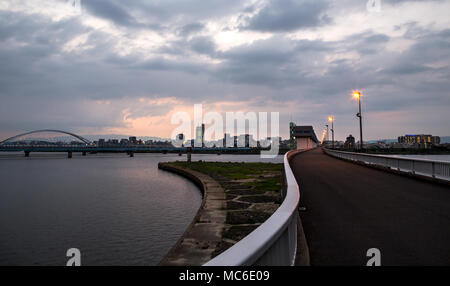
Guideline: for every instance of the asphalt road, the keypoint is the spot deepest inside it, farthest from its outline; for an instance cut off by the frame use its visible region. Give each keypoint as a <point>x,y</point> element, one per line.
<point>351,208</point>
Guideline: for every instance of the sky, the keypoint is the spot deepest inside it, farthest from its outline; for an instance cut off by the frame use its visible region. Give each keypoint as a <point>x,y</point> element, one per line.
<point>126,67</point>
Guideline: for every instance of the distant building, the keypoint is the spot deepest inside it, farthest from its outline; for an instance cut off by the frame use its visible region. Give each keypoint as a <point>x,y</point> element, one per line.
<point>200,136</point>
<point>179,140</point>
<point>227,140</point>
<point>349,142</point>
<point>286,144</point>
<point>246,140</point>
<point>306,137</point>
<point>419,141</point>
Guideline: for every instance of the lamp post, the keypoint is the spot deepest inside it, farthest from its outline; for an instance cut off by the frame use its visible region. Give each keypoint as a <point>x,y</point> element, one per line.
<point>331,119</point>
<point>357,95</point>
<point>328,136</point>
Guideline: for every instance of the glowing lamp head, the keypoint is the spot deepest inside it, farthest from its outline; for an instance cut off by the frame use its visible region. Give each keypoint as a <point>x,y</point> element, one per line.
<point>330,118</point>
<point>356,94</point>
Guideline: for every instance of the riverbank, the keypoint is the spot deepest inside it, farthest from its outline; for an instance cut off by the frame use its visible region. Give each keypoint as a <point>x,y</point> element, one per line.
<point>237,198</point>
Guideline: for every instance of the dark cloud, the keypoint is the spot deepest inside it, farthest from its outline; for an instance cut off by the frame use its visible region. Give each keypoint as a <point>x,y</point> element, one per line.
<point>203,45</point>
<point>150,14</point>
<point>315,76</point>
<point>406,68</point>
<point>111,11</point>
<point>117,13</point>
<point>289,15</point>
<point>426,55</point>
<point>191,28</point>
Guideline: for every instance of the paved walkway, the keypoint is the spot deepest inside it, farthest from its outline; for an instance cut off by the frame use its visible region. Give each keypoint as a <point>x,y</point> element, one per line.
<point>351,208</point>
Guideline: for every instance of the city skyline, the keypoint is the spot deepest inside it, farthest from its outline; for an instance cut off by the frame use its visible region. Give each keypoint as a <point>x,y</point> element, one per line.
<point>116,69</point>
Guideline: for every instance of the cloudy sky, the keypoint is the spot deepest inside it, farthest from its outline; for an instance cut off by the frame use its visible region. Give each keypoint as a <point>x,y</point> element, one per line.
<point>125,67</point>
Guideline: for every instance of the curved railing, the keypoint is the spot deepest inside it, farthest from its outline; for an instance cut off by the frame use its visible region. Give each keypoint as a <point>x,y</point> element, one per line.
<point>424,167</point>
<point>275,241</point>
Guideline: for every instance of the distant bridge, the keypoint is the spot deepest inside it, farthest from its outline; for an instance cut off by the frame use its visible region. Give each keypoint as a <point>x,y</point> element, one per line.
<point>69,149</point>
<point>84,140</point>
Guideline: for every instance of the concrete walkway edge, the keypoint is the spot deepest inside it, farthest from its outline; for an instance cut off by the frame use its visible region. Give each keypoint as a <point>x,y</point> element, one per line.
<point>199,241</point>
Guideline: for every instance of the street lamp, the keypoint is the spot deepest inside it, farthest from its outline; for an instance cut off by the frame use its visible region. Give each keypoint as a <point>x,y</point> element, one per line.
<point>331,119</point>
<point>328,136</point>
<point>357,95</point>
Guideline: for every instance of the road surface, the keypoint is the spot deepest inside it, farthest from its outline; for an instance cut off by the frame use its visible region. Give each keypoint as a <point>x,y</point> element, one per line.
<point>351,208</point>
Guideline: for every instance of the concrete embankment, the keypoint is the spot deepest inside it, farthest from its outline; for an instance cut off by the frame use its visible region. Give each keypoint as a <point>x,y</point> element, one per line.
<point>231,207</point>
<point>201,239</point>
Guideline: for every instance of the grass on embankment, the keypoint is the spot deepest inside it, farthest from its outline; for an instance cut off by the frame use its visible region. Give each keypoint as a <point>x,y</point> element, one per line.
<point>261,176</point>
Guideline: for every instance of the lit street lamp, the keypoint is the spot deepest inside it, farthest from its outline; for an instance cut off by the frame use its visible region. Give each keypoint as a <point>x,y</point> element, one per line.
<point>357,95</point>
<point>331,119</point>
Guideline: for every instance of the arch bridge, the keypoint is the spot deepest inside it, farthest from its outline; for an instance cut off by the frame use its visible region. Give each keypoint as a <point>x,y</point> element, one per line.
<point>84,140</point>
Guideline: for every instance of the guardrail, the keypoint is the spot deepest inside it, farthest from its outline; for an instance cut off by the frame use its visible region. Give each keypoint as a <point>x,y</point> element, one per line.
<point>424,167</point>
<point>274,243</point>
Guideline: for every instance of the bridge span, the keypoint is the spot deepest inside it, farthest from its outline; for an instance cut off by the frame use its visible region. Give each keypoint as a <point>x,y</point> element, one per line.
<point>351,208</point>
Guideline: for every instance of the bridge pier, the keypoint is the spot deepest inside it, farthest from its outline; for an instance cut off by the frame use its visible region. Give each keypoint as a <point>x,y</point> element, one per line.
<point>69,154</point>
<point>189,153</point>
<point>27,153</point>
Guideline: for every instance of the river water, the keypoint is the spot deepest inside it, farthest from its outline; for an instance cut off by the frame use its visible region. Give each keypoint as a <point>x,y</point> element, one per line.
<point>116,210</point>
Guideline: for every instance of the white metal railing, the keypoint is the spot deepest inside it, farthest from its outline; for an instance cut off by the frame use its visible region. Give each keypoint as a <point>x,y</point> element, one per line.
<point>273,243</point>
<point>424,167</point>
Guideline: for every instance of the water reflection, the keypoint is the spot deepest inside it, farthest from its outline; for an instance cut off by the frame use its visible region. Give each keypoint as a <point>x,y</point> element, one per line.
<point>117,210</point>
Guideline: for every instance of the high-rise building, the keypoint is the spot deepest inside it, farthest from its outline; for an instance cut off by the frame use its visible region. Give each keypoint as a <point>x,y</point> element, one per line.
<point>245,140</point>
<point>227,141</point>
<point>200,136</point>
